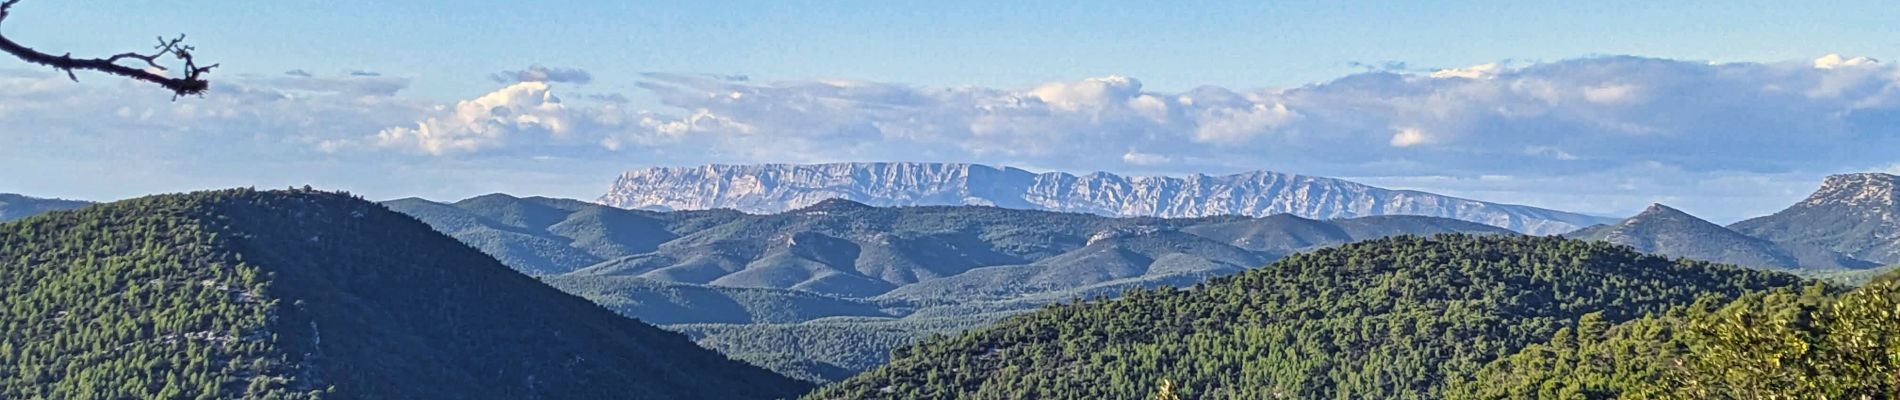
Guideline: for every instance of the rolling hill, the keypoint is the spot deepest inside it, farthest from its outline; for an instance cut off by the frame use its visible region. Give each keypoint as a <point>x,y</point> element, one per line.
<point>302,294</point>
<point>1397,317</point>
<point>661,302</point>
<point>848,249</point>
<point>14,207</point>
<point>1671,232</point>
<point>850,281</point>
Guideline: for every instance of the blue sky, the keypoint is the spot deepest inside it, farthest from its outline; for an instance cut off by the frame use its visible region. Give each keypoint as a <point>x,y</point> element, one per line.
<point>1529,103</point>
<point>449,46</point>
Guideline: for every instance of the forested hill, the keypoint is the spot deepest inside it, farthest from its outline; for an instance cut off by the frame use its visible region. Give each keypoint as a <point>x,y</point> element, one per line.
<point>1388,318</point>
<point>13,206</point>
<point>301,294</point>
<point>827,290</point>
<point>1789,343</point>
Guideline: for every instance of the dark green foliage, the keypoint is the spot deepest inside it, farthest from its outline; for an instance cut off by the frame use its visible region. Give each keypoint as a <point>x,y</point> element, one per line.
<point>662,302</point>
<point>1388,318</point>
<point>1849,277</point>
<point>1784,345</point>
<point>827,350</point>
<point>1815,342</point>
<point>14,207</point>
<point>1582,362</point>
<point>140,299</point>
<point>301,294</point>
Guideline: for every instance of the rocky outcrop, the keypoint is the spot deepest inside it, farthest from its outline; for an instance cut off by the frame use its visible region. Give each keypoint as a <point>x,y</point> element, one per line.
<point>771,188</point>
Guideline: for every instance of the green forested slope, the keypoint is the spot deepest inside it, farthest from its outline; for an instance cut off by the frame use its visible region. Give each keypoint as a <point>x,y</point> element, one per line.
<point>661,302</point>
<point>1389,318</point>
<point>830,349</point>
<point>1808,343</point>
<point>301,294</point>
<point>1852,277</point>
<point>139,299</point>
<point>901,273</point>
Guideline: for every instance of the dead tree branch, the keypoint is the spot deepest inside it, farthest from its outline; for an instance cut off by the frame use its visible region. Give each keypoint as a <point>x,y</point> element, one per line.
<point>191,83</point>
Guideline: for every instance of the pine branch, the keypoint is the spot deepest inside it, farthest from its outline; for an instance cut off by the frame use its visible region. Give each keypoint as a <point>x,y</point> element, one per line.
<point>192,83</point>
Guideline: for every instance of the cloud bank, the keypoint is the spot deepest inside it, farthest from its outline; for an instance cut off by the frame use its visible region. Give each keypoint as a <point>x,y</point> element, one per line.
<point>538,73</point>
<point>1601,134</point>
<point>1568,116</point>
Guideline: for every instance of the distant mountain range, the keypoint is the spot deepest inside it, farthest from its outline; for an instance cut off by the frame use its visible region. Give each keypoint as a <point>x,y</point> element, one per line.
<point>1853,214</point>
<point>774,188</point>
<point>1668,231</point>
<point>906,271</point>
<point>829,288</point>
<point>844,248</point>
<point>13,206</point>
<point>305,295</point>
<point>1850,223</point>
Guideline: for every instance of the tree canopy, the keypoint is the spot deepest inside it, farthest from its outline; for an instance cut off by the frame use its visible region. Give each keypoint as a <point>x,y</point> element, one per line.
<point>1390,318</point>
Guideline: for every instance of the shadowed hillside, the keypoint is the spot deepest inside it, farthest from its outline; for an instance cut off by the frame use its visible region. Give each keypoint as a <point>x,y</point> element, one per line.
<point>834,286</point>
<point>300,294</point>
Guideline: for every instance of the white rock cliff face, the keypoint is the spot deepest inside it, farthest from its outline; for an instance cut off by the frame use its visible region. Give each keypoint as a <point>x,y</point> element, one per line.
<point>1855,214</point>
<point>1872,192</point>
<point>772,188</point>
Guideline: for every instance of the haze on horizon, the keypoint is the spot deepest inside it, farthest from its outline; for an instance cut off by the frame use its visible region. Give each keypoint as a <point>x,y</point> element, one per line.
<point>1725,112</point>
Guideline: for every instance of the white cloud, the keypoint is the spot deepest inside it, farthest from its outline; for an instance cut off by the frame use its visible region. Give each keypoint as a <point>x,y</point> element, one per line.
<point>1610,93</point>
<point>1234,125</point>
<point>1552,152</point>
<point>1563,118</point>
<point>1480,71</point>
<point>521,109</point>
<point>528,116</point>
<point>1145,159</point>
<point>122,138</point>
<point>1581,122</point>
<point>1408,137</point>
<point>1092,93</point>
<point>538,73</point>
<point>1149,106</point>
<point>1528,120</point>
<point>1833,61</point>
